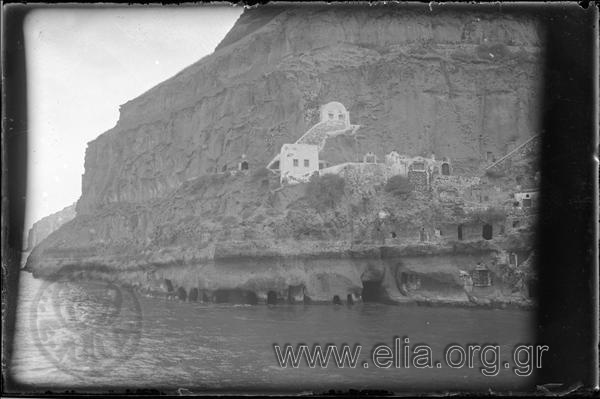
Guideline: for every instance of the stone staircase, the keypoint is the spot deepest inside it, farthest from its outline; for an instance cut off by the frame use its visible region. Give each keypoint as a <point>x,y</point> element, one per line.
<point>318,134</point>
<point>516,150</point>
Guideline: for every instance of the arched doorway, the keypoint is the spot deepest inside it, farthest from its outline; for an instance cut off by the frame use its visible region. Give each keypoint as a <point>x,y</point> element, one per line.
<point>487,231</point>
<point>373,291</point>
<point>193,297</point>
<point>181,294</point>
<point>445,169</point>
<point>271,298</point>
<point>244,165</point>
<point>337,300</point>
<point>349,300</point>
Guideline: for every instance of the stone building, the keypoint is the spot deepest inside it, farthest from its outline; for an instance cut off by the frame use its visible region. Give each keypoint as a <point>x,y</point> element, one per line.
<point>243,163</point>
<point>298,162</point>
<point>419,170</point>
<point>526,199</point>
<point>419,179</point>
<point>335,111</point>
<point>370,158</point>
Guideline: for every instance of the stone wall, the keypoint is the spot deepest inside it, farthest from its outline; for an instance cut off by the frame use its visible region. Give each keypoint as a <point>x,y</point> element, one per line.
<point>451,188</point>
<point>419,180</point>
<point>361,178</point>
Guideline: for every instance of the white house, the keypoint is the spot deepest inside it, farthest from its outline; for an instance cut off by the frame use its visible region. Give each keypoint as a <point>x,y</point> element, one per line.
<point>335,120</point>
<point>298,162</point>
<point>335,111</point>
<point>527,199</point>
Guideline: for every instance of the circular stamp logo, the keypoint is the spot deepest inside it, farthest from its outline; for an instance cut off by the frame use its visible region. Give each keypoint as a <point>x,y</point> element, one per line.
<point>85,327</point>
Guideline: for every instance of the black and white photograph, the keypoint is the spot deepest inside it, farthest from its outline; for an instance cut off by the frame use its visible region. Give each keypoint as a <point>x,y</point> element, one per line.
<point>300,199</point>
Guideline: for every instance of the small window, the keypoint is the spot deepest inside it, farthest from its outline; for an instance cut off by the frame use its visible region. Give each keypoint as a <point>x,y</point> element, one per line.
<point>526,202</point>
<point>341,117</point>
<point>331,115</point>
<point>295,162</point>
<point>515,223</point>
<point>306,163</point>
<point>486,198</point>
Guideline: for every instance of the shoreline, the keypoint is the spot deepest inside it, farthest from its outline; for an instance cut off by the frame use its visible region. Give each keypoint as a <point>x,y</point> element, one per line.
<point>491,304</point>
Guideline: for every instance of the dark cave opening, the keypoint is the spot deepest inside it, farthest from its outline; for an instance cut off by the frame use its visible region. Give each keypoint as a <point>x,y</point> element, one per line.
<point>487,231</point>
<point>181,294</point>
<point>193,295</point>
<point>373,291</point>
<point>235,296</point>
<point>349,300</point>
<point>271,298</point>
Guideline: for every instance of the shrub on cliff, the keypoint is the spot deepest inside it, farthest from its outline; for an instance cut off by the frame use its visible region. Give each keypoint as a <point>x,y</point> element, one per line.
<point>489,215</point>
<point>324,192</point>
<point>260,173</point>
<point>304,224</point>
<point>398,185</point>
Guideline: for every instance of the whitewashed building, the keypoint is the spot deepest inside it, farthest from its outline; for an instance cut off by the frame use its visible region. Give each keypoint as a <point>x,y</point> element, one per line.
<point>335,111</point>
<point>298,162</point>
<point>527,199</point>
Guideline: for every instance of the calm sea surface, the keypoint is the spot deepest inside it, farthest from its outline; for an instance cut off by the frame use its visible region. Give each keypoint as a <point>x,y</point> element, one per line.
<point>225,347</point>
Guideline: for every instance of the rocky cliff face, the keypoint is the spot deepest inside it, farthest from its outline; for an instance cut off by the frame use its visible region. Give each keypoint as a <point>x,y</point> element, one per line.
<point>460,85</point>
<point>45,226</point>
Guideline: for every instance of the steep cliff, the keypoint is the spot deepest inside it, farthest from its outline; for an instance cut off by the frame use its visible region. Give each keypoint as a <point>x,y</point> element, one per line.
<point>45,226</point>
<point>157,191</point>
<point>459,85</point>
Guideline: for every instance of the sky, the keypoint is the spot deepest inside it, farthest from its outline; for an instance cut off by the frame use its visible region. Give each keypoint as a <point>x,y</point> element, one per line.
<point>83,63</point>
